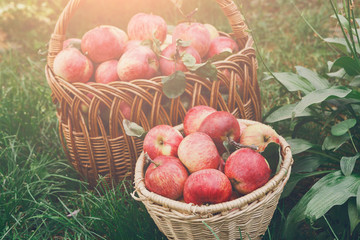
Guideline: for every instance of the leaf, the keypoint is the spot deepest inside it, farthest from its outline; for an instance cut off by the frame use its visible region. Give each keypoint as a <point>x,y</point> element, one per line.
<point>315,79</point>
<point>295,178</point>
<point>339,43</point>
<point>355,82</point>
<point>342,127</point>
<point>350,65</point>
<point>174,85</point>
<point>285,112</point>
<point>132,129</point>
<point>338,74</point>
<point>206,70</point>
<point>299,145</point>
<point>272,154</point>
<point>354,216</point>
<point>308,163</point>
<point>333,142</point>
<point>358,201</point>
<point>343,21</point>
<point>319,96</point>
<point>293,82</point>
<point>331,190</point>
<point>347,164</point>
<point>188,60</point>
<point>220,56</point>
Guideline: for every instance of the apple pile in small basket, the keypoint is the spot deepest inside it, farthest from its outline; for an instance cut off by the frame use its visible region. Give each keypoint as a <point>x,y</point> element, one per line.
<point>199,167</point>
<point>147,49</point>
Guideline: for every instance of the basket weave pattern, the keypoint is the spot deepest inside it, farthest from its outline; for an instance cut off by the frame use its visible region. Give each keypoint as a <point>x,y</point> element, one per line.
<point>96,145</point>
<point>250,213</point>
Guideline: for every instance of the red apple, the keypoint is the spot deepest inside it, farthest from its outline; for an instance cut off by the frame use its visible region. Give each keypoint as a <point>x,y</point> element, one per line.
<point>72,42</point>
<point>221,126</point>
<point>212,30</point>
<point>125,108</point>
<point>197,151</point>
<point>144,26</point>
<point>106,72</point>
<point>162,140</point>
<point>103,43</point>
<point>73,66</point>
<point>196,33</point>
<point>242,126</point>
<point>131,44</point>
<point>207,186</point>
<point>138,63</point>
<point>166,176</point>
<point>259,135</point>
<point>194,117</point>
<point>247,170</point>
<point>170,61</point>
<point>222,44</point>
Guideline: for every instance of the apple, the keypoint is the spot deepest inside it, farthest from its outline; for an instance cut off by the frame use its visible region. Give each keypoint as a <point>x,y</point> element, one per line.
<point>131,44</point>
<point>170,61</point>
<point>144,26</point>
<point>212,30</point>
<point>106,72</point>
<point>242,126</point>
<point>138,63</point>
<point>72,42</point>
<point>103,43</point>
<point>207,186</point>
<point>247,170</point>
<point>259,135</point>
<point>166,176</point>
<point>196,33</point>
<point>222,44</point>
<point>73,66</point>
<point>162,140</point>
<point>194,117</point>
<point>197,151</point>
<point>125,108</point>
<point>221,126</point>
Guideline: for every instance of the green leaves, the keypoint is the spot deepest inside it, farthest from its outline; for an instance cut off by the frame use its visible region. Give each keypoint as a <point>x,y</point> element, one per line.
<point>319,96</point>
<point>299,145</point>
<point>350,65</point>
<point>206,70</point>
<point>333,189</point>
<point>342,127</point>
<point>293,82</point>
<point>174,85</point>
<point>132,129</point>
<point>334,142</point>
<point>286,112</point>
<point>315,79</point>
<point>354,215</point>
<point>347,164</point>
<point>272,154</point>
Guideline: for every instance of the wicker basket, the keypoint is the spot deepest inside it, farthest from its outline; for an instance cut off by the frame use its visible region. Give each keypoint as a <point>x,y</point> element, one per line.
<point>250,213</point>
<point>95,146</point>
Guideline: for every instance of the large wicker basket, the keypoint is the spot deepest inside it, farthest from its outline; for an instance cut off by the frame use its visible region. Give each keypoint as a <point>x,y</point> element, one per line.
<point>95,146</point>
<point>250,213</point>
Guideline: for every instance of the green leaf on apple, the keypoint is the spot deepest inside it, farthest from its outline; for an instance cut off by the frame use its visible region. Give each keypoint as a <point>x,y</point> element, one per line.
<point>174,85</point>
<point>272,155</point>
<point>220,56</point>
<point>206,70</point>
<point>134,130</point>
<point>188,60</point>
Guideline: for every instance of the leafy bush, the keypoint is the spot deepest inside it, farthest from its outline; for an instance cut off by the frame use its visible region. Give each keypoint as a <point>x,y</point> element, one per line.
<point>331,111</point>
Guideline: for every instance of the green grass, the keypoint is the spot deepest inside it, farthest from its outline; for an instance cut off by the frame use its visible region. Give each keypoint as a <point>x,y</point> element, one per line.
<point>38,188</point>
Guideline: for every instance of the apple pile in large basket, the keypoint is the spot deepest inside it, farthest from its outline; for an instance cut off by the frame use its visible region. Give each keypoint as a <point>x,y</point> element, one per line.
<point>216,160</point>
<point>147,49</point>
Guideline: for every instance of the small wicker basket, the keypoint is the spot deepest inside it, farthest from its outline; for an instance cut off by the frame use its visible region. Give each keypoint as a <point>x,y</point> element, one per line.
<point>97,146</point>
<point>250,213</point>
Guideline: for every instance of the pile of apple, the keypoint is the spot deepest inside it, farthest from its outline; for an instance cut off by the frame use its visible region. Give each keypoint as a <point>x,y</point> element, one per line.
<point>147,49</point>
<point>196,166</point>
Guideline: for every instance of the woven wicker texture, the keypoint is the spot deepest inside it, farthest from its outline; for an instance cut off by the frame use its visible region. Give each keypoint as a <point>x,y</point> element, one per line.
<point>94,141</point>
<point>251,213</point>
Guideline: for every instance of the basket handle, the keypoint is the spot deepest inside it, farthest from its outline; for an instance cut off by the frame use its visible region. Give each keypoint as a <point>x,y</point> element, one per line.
<point>229,8</point>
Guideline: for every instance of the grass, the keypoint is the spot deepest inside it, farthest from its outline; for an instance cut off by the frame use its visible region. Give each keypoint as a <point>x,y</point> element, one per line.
<point>38,188</point>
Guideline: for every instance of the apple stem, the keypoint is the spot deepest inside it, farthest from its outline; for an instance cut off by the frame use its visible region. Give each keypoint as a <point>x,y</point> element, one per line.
<point>239,145</point>
<point>148,159</point>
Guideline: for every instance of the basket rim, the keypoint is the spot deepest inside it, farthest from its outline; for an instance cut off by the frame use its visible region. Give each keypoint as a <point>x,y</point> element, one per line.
<point>189,208</point>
